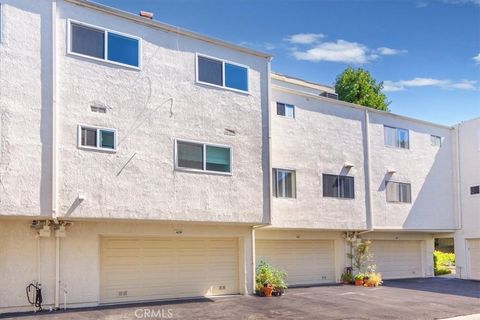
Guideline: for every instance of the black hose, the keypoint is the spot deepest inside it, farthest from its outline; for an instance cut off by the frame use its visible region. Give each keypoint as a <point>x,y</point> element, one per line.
<point>35,291</point>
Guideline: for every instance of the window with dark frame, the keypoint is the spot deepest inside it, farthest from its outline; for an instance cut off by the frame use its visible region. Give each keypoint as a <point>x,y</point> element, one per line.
<point>337,186</point>
<point>435,141</point>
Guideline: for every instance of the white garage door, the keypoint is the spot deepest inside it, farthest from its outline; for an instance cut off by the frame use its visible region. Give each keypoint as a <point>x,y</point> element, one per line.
<point>398,259</point>
<point>473,249</point>
<point>134,269</point>
<point>306,262</point>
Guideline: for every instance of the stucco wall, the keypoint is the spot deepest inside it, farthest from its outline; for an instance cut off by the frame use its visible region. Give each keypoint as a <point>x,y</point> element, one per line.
<point>148,108</point>
<point>429,170</point>
<point>469,165</point>
<point>80,257</point>
<point>320,139</point>
<point>25,113</point>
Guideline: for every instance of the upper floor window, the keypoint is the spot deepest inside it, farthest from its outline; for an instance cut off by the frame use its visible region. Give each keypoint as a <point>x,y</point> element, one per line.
<point>475,190</point>
<point>90,137</point>
<point>284,183</point>
<point>203,157</point>
<point>338,186</point>
<point>436,141</point>
<point>396,137</point>
<point>222,73</point>
<point>102,44</point>
<point>398,192</point>
<point>286,110</point>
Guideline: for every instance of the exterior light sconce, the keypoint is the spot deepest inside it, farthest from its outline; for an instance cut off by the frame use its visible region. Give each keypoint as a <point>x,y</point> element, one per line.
<point>81,197</point>
<point>297,236</point>
<point>178,232</point>
<point>391,171</point>
<point>348,165</point>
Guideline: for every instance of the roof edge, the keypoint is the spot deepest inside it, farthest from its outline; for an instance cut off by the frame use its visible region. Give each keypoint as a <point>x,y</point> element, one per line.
<point>166,27</point>
<point>357,106</point>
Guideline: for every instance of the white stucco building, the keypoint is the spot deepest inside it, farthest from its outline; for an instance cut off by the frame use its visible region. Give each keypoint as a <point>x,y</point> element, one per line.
<point>467,237</point>
<point>140,161</point>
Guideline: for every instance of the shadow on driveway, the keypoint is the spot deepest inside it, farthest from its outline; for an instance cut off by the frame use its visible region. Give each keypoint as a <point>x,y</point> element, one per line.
<point>457,287</point>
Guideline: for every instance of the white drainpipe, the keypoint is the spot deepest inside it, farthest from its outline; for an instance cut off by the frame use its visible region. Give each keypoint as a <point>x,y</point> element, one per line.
<point>54,152</point>
<point>368,178</point>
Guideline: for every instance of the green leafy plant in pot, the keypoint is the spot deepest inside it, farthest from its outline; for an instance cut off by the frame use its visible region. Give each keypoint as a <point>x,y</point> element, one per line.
<point>269,280</point>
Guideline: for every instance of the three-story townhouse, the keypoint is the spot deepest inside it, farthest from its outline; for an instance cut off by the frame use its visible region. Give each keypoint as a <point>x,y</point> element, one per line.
<point>342,170</point>
<point>134,159</point>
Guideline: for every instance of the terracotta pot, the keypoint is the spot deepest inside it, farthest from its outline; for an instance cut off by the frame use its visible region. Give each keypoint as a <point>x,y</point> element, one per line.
<point>359,282</point>
<point>267,291</point>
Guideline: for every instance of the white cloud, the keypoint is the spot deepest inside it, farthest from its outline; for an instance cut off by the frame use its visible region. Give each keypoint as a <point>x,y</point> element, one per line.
<point>429,82</point>
<point>390,52</point>
<point>462,2</point>
<point>305,38</point>
<point>477,59</point>
<point>421,4</point>
<point>340,51</point>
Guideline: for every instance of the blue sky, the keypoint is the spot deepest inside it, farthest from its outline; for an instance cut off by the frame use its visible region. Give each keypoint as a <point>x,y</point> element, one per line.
<point>426,52</point>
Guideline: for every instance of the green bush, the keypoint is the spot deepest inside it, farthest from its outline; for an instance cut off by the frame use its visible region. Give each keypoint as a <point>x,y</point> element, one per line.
<point>441,261</point>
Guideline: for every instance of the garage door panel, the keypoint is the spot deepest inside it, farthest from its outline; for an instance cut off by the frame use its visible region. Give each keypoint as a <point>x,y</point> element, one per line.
<point>397,259</point>
<point>135,269</point>
<point>473,251</point>
<point>305,261</point>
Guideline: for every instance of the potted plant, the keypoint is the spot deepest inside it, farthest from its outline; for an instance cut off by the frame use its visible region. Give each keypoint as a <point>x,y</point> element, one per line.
<point>347,277</point>
<point>359,279</point>
<point>374,280</point>
<point>269,281</point>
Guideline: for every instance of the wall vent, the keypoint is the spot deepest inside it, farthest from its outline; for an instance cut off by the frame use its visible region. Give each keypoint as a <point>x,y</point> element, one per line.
<point>329,95</point>
<point>230,132</point>
<point>98,109</point>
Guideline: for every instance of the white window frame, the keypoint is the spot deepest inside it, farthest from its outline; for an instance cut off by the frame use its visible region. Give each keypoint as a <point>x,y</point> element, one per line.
<point>223,61</point>
<point>98,147</point>
<point>286,104</point>
<point>204,144</point>
<point>274,187</point>
<point>400,183</point>
<point>397,141</point>
<point>105,41</point>
<point>436,137</point>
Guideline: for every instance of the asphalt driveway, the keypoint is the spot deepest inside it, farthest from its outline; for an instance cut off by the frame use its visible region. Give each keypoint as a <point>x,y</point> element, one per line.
<point>435,298</point>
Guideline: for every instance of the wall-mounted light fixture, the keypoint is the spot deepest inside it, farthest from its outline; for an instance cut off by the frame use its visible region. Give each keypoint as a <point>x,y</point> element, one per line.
<point>391,171</point>
<point>348,165</point>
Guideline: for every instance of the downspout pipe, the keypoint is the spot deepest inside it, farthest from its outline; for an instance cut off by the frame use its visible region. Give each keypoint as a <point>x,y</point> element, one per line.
<point>368,182</point>
<point>457,159</point>
<point>54,152</point>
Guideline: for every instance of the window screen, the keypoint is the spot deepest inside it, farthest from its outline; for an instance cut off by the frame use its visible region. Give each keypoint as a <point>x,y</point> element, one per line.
<point>87,41</point>
<point>284,183</point>
<point>190,155</point>
<point>89,137</point>
<point>286,110</point>
<point>338,186</point>
<point>210,71</point>
<point>395,137</point>
<point>436,141</point>
<point>398,192</point>
<point>475,190</point>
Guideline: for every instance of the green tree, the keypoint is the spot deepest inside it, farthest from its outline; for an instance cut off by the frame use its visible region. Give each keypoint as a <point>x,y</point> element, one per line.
<point>358,86</point>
